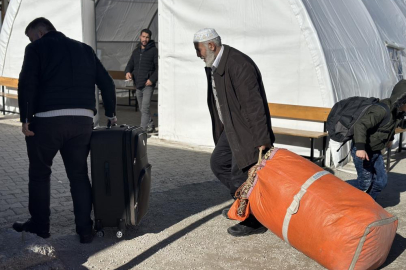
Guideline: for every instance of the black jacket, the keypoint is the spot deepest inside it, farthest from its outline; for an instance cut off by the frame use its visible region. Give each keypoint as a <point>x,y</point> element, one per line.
<point>243,105</point>
<point>368,135</point>
<point>61,73</point>
<point>144,66</point>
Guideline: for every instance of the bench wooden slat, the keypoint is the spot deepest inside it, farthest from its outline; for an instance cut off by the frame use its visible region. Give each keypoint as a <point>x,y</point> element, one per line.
<point>299,133</point>
<point>308,113</point>
<point>399,130</point>
<point>7,95</point>
<point>9,82</point>
<point>117,74</point>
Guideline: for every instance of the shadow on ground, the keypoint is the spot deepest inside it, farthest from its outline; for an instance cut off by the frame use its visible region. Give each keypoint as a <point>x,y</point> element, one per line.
<point>167,208</point>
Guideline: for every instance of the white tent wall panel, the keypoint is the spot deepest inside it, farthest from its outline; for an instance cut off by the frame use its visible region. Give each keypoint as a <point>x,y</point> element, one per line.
<point>28,10</point>
<point>402,6</point>
<point>21,12</point>
<point>267,31</point>
<point>356,57</point>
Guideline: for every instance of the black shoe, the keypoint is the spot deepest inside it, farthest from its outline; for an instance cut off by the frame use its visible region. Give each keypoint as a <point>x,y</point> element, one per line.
<point>224,213</point>
<point>86,238</point>
<point>31,227</point>
<point>247,227</point>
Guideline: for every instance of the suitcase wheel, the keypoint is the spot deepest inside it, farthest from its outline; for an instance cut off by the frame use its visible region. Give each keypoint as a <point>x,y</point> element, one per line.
<point>100,233</point>
<point>119,234</point>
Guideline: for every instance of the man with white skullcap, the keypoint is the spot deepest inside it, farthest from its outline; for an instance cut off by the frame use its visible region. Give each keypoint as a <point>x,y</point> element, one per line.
<point>240,116</point>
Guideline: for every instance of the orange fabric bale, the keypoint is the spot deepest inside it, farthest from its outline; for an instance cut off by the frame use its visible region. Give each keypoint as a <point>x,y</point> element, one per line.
<point>333,223</point>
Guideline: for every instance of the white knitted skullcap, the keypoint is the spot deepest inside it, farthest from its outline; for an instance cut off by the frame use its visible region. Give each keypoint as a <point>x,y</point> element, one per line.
<point>205,34</point>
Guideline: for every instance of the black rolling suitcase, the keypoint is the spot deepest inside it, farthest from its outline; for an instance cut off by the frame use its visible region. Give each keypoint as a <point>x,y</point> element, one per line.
<point>121,177</point>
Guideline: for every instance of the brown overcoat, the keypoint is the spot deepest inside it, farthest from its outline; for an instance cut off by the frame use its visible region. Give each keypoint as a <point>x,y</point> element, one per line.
<point>243,105</point>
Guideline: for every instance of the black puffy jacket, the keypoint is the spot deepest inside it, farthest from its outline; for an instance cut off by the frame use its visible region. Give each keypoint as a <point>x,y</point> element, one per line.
<point>61,73</point>
<point>144,66</point>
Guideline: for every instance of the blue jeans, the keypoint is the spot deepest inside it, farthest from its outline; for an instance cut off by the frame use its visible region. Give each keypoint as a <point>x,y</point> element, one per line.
<point>372,177</point>
<point>144,96</point>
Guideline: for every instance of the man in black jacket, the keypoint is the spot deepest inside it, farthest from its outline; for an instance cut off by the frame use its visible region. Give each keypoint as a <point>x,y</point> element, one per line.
<point>142,68</point>
<point>56,95</point>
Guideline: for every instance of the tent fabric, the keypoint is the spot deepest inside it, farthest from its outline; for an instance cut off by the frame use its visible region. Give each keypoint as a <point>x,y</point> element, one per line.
<point>118,26</point>
<point>348,49</point>
<point>21,12</point>
<point>391,25</point>
<point>291,64</point>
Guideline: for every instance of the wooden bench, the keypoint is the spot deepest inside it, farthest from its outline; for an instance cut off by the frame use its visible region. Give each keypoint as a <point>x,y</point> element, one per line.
<point>304,113</point>
<point>120,75</point>
<point>8,82</point>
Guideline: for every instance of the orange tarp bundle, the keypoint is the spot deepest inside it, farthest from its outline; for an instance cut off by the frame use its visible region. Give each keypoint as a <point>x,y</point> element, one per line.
<point>317,213</point>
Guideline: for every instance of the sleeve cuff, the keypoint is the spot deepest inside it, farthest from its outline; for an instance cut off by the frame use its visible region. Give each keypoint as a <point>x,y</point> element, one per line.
<point>360,146</point>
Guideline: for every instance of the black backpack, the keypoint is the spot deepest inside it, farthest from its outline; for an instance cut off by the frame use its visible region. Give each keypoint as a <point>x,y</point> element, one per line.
<point>345,113</point>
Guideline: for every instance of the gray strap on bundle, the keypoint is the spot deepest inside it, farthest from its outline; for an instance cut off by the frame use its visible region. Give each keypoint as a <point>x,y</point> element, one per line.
<point>294,206</point>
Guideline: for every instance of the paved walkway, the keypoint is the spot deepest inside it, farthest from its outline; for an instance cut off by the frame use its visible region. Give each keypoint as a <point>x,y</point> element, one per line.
<point>183,229</point>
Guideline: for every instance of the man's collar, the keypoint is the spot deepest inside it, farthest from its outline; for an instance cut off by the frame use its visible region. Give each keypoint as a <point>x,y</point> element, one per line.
<point>222,64</point>
<point>218,58</point>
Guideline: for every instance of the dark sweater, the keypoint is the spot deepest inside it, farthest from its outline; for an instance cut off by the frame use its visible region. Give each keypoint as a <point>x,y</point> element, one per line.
<point>144,65</point>
<point>61,73</point>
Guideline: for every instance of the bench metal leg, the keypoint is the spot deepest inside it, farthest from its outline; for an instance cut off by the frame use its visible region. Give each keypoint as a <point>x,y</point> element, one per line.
<point>400,148</point>
<point>311,149</point>
<point>4,100</point>
<point>324,151</point>
<point>388,153</point>
<point>129,97</point>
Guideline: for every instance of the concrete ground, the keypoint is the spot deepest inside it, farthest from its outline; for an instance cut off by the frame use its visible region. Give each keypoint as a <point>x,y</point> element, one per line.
<point>183,229</point>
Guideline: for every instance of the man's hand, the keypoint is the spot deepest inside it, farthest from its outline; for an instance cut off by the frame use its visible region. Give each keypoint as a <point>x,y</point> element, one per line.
<point>26,131</point>
<point>263,147</point>
<point>362,154</point>
<point>148,83</point>
<point>128,76</point>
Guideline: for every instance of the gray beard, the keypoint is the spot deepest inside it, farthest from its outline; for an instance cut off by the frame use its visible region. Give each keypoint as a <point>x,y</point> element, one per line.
<point>210,58</point>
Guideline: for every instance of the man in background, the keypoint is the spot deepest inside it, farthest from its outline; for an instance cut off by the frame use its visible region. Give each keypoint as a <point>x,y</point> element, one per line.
<point>142,68</point>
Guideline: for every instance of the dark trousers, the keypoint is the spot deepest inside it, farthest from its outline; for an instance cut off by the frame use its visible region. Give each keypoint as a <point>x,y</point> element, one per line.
<point>144,96</point>
<point>71,136</point>
<point>224,166</point>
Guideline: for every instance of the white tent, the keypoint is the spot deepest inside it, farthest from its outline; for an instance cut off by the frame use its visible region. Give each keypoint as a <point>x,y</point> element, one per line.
<point>76,21</point>
<point>391,24</point>
<point>309,52</point>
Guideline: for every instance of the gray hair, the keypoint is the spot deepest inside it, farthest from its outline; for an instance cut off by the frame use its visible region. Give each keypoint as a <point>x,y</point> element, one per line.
<point>216,40</point>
